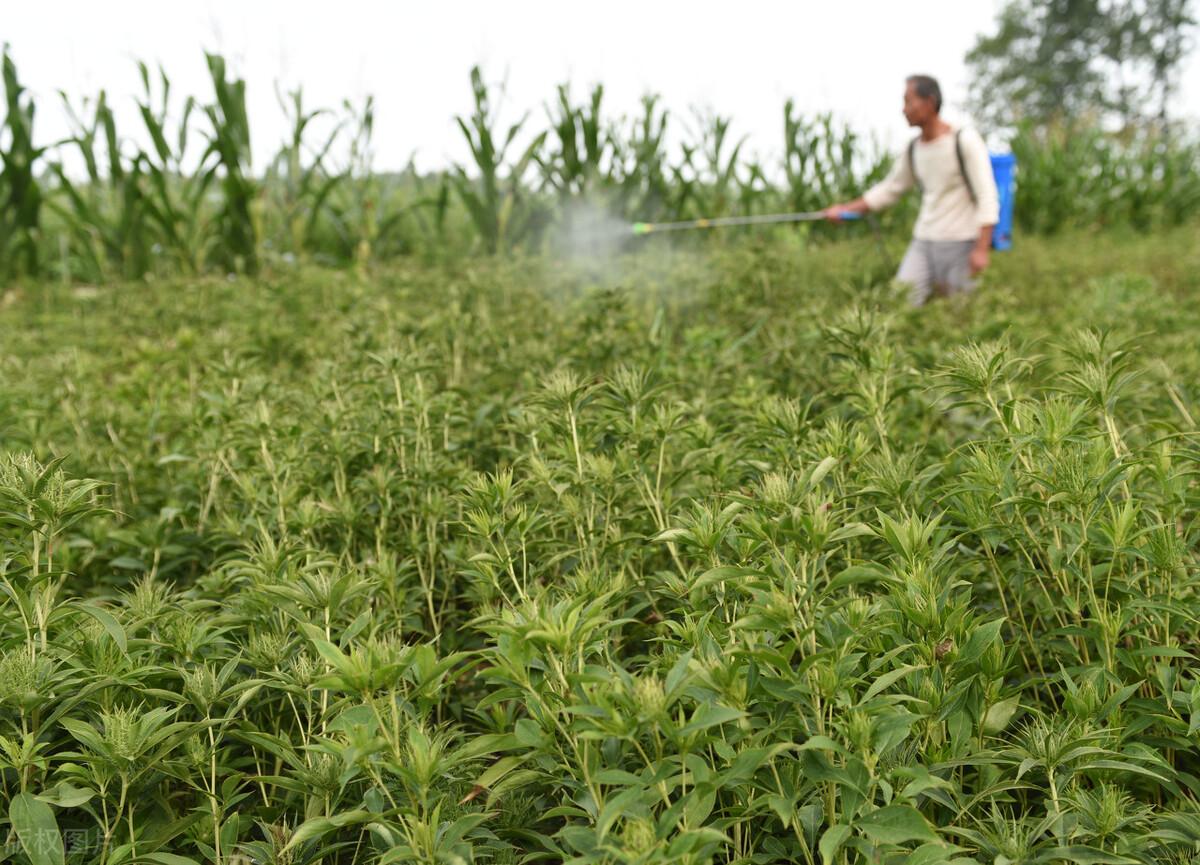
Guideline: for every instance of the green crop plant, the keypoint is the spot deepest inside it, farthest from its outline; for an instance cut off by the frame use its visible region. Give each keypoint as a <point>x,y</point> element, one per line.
<point>430,211</point>
<point>728,557</point>
<point>355,206</point>
<point>755,193</point>
<point>732,560</point>
<point>825,161</point>
<point>240,217</point>
<point>808,177</point>
<point>176,195</point>
<point>106,210</point>
<point>578,160</point>
<point>642,172</point>
<point>298,180</point>
<point>496,200</point>
<point>708,175</point>
<point>1074,177</point>
<point>20,189</point>
<point>168,208</point>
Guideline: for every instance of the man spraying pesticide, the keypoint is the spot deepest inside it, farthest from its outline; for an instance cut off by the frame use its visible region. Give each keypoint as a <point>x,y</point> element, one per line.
<point>960,206</point>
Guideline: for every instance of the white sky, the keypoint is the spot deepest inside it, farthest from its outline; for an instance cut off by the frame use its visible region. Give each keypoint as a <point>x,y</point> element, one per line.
<point>742,59</point>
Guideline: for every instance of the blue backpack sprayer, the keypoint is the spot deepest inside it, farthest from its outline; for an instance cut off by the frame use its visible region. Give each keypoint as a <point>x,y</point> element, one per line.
<point>1003,170</point>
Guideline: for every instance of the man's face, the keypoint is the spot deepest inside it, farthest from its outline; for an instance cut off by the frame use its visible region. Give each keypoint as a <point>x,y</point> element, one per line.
<point>917,109</point>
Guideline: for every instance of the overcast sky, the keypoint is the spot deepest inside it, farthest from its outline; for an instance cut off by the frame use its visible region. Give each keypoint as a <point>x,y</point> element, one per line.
<point>742,58</point>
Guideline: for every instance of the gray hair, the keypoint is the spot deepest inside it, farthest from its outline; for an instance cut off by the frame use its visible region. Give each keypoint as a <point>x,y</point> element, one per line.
<point>926,87</point>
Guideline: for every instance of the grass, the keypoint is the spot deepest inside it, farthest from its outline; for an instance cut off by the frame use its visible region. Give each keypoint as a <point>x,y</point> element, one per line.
<point>720,555</point>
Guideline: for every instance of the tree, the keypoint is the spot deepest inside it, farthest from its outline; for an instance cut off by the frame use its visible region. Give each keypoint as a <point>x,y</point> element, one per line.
<point>1066,60</point>
<point>1165,41</point>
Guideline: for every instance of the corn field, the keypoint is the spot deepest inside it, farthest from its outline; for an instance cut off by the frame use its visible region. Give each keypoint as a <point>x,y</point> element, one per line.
<point>177,196</point>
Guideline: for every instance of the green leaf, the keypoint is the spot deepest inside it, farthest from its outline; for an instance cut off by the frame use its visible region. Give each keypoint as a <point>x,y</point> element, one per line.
<point>332,655</point>
<point>710,715</point>
<point>861,574</point>
<point>896,824</point>
<point>1125,766</point>
<point>823,468</point>
<point>670,535</point>
<point>487,743</point>
<point>890,678</point>
<point>934,854</point>
<point>783,808</point>
<point>920,781</point>
<point>1083,855</point>
<point>66,795</point>
<point>848,531</point>
<point>166,859</point>
<point>981,638</point>
<point>355,716</point>
<point>725,573</point>
<point>821,743</point>
<point>37,830</point>
<point>1000,714</point>
<point>498,770</point>
<point>111,625</point>
<point>318,827</point>
<point>698,805</point>
<point>173,458</point>
<point>678,674</point>
<point>527,732</point>
<point>1161,652</point>
<point>832,841</point>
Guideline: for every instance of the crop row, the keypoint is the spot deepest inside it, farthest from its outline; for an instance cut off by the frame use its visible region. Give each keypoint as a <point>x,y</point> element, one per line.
<point>177,195</point>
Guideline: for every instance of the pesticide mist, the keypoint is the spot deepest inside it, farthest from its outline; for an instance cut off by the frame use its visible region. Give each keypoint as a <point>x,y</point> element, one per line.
<point>599,250</point>
<point>587,231</point>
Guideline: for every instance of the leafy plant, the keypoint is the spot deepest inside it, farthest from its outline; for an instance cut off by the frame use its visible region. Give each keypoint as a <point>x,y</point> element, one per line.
<point>495,199</point>
<point>20,191</point>
<point>732,561</point>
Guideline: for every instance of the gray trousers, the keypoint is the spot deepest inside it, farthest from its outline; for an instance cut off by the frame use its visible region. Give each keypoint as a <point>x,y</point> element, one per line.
<point>940,266</point>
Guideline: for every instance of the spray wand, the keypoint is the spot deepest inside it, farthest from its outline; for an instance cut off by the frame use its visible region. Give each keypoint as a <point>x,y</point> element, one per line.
<point>723,221</point>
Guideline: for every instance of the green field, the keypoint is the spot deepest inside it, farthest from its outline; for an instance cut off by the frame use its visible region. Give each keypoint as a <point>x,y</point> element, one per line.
<point>719,554</point>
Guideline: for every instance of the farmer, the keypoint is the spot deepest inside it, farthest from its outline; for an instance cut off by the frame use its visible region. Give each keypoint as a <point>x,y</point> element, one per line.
<point>959,203</point>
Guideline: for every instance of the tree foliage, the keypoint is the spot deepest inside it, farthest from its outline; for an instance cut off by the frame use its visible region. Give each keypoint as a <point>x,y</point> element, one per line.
<point>1065,60</point>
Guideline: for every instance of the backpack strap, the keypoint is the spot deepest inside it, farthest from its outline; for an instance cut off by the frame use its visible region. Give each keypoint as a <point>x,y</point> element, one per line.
<point>962,165</point>
<point>912,165</point>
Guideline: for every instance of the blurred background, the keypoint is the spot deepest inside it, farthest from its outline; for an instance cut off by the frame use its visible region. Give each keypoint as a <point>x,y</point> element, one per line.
<point>336,137</point>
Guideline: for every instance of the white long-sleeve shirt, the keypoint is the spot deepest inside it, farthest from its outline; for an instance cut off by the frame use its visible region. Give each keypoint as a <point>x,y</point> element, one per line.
<point>947,212</point>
